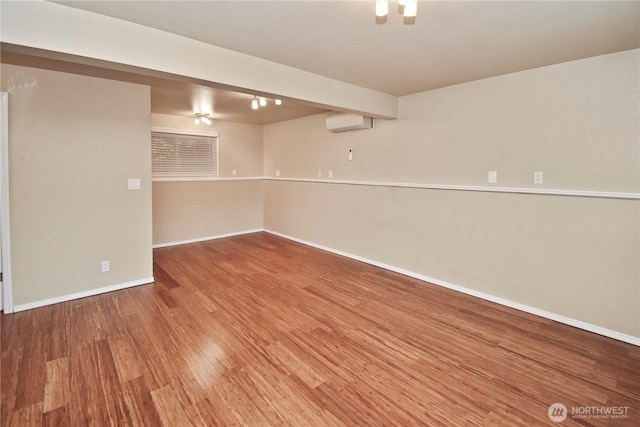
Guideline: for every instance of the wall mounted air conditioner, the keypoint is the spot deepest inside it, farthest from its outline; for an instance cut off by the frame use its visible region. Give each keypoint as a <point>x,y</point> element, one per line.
<point>345,122</point>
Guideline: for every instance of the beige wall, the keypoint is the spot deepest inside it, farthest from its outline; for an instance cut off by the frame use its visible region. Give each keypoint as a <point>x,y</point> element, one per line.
<point>73,143</point>
<point>574,256</point>
<point>577,122</point>
<point>194,210</point>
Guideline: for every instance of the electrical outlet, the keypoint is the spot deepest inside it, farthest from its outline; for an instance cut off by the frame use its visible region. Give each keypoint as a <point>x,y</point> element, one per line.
<point>104,266</point>
<point>538,177</point>
<point>493,177</point>
<point>277,172</point>
<point>330,173</point>
<point>234,172</point>
<point>319,173</point>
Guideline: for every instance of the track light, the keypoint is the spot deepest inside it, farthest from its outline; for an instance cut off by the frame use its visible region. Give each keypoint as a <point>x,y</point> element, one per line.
<point>261,101</point>
<point>382,7</point>
<point>410,8</point>
<point>202,117</point>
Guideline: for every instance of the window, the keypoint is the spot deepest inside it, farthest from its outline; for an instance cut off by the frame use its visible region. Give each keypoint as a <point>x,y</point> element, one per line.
<point>183,154</point>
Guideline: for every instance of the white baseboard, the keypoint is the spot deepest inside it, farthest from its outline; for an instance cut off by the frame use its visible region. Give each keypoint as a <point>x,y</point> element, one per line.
<point>83,294</point>
<point>532,310</point>
<point>204,239</point>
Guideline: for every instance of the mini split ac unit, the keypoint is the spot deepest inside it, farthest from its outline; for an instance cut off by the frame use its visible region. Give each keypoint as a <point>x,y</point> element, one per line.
<point>345,122</point>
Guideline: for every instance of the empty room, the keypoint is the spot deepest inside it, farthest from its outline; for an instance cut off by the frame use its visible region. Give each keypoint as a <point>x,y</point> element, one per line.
<point>320,213</point>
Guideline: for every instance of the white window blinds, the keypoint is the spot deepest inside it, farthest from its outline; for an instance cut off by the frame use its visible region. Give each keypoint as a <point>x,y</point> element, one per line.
<point>183,156</point>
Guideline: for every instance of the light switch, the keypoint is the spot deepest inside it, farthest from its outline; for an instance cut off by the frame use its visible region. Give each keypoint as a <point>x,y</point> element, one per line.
<point>133,184</point>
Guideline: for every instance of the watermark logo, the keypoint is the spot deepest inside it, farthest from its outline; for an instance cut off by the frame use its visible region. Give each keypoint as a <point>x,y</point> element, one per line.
<point>557,412</point>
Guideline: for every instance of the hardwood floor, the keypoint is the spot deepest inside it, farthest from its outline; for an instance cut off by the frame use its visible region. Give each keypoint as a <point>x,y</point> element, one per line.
<point>260,331</point>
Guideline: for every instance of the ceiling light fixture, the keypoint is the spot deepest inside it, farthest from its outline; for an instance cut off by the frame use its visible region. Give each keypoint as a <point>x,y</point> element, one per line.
<point>382,7</point>
<point>410,8</point>
<point>202,117</point>
<point>261,101</point>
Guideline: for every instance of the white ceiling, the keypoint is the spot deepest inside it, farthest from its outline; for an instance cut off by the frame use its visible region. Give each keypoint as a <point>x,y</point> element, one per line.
<point>449,42</point>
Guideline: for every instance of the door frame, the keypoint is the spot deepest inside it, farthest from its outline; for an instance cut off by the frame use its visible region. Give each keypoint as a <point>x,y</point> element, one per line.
<point>5,231</point>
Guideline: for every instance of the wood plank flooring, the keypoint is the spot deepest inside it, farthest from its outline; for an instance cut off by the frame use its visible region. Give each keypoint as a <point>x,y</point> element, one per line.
<point>260,331</point>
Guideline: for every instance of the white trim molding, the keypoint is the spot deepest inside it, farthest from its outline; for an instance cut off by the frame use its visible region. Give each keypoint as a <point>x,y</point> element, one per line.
<point>527,309</point>
<point>5,221</point>
<point>425,186</point>
<point>204,239</point>
<point>83,294</point>
<point>224,178</point>
<point>479,188</point>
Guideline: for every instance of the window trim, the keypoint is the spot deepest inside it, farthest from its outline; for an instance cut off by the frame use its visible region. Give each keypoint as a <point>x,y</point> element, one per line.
<point>211,134</point>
